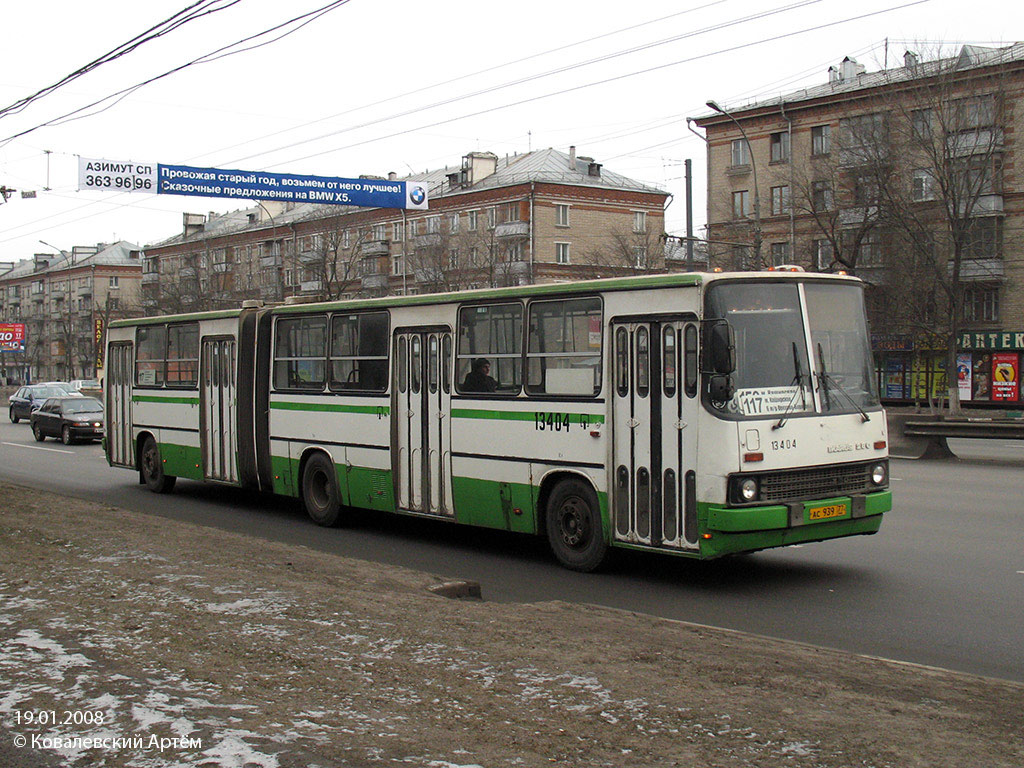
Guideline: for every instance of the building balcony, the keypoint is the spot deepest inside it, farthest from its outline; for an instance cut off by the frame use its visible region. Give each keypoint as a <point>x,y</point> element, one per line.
<point>512,229</point>
<point>374,282</point>
<point>429,275</point>
<point>86,291</point>
<point>269,262</point>
<point>980,270</point>
<point>375,248</point>
<point>150,278</point>
<point>982,141</point>
<point>310,286</point>
<point>850,217</point>
<point>225,266</point>
<point>187,272</point>
<point>311,257</point>
<point>429,240</point>
<point>149,302</point>
<point>983,205</point>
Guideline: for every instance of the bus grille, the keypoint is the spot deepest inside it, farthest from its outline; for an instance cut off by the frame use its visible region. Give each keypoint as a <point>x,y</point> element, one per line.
<point>820,482</point>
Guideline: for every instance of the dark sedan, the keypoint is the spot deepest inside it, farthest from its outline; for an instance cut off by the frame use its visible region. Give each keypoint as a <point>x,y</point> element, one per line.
<point>69,418</point>
<point>27,399</point>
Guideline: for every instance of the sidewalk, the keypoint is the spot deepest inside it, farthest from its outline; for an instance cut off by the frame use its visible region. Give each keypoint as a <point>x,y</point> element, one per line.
<point>168,644</point>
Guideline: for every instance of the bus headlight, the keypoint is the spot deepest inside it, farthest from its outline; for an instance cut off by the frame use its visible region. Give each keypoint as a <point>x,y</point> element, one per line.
<point>748,489</point>
<point>879,473</point>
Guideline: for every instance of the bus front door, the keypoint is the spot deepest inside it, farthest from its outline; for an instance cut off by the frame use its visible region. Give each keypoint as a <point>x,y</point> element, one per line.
<point>118,386</point>
<point>218,428</point>
<point>421,423</point>
<point>654,433</point>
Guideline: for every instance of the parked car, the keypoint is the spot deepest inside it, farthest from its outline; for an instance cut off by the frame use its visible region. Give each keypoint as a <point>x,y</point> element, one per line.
<point>28,399</point>
<point>77,385</point>
<point>69,418</point>
<point>66,386</point>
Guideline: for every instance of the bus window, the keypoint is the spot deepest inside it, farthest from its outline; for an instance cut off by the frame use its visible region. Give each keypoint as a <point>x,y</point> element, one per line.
<point>300,353</point>
<point>643,362</point>
<point>359,352</point>
<point>446,363</point>
<point>622,362</point>
<point>432,354</point>
<point>690,340</point>
<point>417,370</point>
<point>493,333</point>
<point>564,349</point>
<point>403,364</point>
<point>150,346</point>
<point>183,355</point>
<point>668,366</point>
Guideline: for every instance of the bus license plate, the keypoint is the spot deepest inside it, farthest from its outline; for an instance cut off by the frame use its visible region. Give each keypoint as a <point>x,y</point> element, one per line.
<point>826,511</point>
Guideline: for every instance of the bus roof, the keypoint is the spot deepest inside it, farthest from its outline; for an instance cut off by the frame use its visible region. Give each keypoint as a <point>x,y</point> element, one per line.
<point>641,282</point>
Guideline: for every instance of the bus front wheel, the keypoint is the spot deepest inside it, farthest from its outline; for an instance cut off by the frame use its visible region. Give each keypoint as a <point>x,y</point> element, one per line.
<point>320,490</point>
<point>574,527</point>
<point>152,468</point>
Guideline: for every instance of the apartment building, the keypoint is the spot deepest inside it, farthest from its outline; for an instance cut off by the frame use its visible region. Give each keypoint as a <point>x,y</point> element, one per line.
<point>542,216</point>
<point>64,303</point>
<point>907,177</point>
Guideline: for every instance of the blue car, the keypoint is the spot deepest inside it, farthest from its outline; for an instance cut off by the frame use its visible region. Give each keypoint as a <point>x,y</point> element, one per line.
<point>28,399</point>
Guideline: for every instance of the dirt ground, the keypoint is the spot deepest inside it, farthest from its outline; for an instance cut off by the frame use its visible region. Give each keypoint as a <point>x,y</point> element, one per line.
<point>156,643</point>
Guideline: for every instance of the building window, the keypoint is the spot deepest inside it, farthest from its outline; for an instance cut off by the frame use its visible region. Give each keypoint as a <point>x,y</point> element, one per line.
<point>492,217</point>
<point>780,200</point>
<point>453,259</point>
<point>433,224</point>
<point>115,282</point>
<point>869,252</point>
<point>780,147</point>
<point>740,152</point>
<point>561,253</point>
<point>922,185</point>
<point>640,257</point>
<point>639,221</point>
<point>397,267</point>
<point>453,223</point>
<point>981,304</point>
<point>779,253</point>
<point>821,196</point>
<point>561,215</point>
<point>346,240</point>
<point>973,112</point>
<point>474,256</point>
<point>921,124</point>
<point>511,211</point>
<point>398,231</point>
<point>984,238</point>
<point>741,204</point>
<point>865,191</point>
<point>824,254</point>
<point>821,139</point>
<point>380,232</point>
<point>471,220</point>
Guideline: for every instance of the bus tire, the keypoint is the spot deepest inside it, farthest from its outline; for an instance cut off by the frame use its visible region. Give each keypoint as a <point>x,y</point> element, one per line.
<point>320,493</point>
<point>151,468</point>
<point>574,529</point>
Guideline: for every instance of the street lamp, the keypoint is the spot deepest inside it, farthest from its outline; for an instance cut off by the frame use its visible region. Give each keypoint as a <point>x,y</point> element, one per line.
<point>753,166</point>
<point>67,336</point>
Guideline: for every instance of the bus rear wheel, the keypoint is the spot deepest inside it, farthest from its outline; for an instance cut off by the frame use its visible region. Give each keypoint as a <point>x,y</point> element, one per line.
<point>574,529</point>
<point>152,468</point>
<point>320,490</point>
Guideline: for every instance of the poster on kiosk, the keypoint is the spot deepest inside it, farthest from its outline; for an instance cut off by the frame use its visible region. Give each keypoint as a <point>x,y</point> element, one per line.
<point>1006,376</point>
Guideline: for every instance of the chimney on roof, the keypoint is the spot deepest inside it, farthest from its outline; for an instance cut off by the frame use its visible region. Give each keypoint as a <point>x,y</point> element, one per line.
<point>911,60</point>
<point>477,166</point>
<point>850,69</point>
<point>572,157</point>
<point>193,223</point>
<point>392,176</point>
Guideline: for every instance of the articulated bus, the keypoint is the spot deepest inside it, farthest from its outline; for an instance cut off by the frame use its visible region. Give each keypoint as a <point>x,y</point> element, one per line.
<point>695,414</point>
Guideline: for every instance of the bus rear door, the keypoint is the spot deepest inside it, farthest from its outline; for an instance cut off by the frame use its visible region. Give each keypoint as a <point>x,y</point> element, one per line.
<point>118,387</point>
<point>218,404</point>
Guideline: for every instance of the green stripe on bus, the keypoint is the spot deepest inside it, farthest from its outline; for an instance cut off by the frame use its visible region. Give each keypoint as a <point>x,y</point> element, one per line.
<point>374,410</point>
<point>474,413</point>
<point>158,399</point>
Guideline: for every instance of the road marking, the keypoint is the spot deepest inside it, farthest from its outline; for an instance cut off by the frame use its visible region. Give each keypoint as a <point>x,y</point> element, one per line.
<point>37,448</point>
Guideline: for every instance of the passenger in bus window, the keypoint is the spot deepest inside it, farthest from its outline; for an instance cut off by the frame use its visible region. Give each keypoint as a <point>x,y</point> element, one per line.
<point>479,378</point>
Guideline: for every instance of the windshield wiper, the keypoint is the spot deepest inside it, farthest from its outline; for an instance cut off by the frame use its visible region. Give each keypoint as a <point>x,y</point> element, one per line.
<point>798,380</point>
<point>824,380</point>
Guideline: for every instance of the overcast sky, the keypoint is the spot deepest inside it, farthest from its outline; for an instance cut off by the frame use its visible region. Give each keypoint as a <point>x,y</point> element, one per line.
<point>374,86</point>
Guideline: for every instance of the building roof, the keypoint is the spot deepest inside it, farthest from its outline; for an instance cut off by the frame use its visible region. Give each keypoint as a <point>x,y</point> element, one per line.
<point>543,166</point>
<point>850,77</point>
<point>114,254</point>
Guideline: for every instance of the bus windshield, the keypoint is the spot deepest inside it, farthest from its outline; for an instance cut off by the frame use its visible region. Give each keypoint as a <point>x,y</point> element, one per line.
<point>776,375</point>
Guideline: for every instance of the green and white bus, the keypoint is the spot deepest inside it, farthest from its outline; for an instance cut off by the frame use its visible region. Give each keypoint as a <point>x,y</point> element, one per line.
<point>695,414</point>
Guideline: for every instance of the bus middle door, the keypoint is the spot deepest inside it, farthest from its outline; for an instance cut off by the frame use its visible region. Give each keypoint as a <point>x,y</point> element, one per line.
<point>654,401</point>
<point>421,426</point>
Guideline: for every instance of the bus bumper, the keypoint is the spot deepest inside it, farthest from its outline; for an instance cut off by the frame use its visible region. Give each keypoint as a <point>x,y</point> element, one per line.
<point>728,530</point>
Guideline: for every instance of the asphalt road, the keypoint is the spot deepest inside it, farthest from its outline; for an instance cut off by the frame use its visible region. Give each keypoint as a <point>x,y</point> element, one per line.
<point>942,584</point>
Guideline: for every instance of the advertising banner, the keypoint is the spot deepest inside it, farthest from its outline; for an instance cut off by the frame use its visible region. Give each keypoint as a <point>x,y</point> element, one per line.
<point>981,380</point>
<point>114,176</point>
<point>12,337</point>
<point>963,376</point>
<point>895,373</point>
<point>1006,376</point>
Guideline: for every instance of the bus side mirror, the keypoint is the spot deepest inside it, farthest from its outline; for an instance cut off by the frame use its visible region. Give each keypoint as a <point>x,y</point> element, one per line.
<point>720,348</point>
<point>720,388</point>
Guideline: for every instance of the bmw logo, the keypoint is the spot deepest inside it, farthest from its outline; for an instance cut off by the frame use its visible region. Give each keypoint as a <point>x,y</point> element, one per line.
<point>417,195</point>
